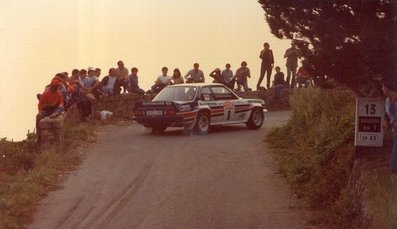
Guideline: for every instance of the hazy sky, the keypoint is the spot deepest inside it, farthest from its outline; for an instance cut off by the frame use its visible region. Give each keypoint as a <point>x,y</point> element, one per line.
<point>39,38</point>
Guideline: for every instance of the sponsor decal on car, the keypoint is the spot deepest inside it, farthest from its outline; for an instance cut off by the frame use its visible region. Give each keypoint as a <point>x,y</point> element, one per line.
<point>186,107</point>
<point>228,104</point>
<point>154,103</point>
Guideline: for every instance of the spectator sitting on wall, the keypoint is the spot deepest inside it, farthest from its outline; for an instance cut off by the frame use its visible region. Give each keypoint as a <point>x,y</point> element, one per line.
<point>78,96</point>
<point>66,88</point>
<point>97,72</point>
<point>50,103</point>
<point>177,77</point>
<point>133,82</point>
<point>122,74</point>
<point>195,75</point>
<point>75,78</point>
<point>302,76</point>
<point>83,75</point>
<point>62,88</point>
<point>279,82</point>
<point>91,84</point>
<point>162,81</point>
<point>227,74</point>
<point>242,75</point>
<point>111,83</point>
<point>217,75</point>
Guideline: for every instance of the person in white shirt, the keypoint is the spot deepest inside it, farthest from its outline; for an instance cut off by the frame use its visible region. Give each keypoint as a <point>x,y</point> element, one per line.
<point>111,83</point>
<point>122,74</point>
<point>162,81</point>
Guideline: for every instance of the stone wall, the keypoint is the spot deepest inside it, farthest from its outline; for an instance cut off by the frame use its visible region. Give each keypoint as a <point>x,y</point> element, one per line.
<point>51,133</point>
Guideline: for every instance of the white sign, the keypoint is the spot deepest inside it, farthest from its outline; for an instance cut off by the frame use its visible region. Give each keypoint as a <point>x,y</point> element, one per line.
<point>369,118</point>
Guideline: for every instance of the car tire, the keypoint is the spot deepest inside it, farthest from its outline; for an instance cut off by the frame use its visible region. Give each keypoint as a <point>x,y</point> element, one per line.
<point>202,123</point>
<point>158,129</point>
<point>256,119</point>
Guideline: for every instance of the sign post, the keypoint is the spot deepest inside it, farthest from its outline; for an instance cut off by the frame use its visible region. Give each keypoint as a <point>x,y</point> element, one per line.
<point>369,116</point>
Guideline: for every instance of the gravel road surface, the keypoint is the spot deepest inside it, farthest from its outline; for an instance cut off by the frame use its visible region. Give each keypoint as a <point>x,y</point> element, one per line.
<point>134,179</point>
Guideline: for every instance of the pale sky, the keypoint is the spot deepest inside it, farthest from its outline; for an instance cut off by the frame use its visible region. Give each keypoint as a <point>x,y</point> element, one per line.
<point>39,38</point>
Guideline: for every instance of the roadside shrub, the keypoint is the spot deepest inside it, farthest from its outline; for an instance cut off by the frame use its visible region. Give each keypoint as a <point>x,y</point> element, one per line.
<point>17,156</point>
<point>309,145</point>
<point>315,151</point>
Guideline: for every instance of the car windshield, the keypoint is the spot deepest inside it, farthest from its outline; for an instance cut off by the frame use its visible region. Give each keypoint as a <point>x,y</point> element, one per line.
<point>180,93</point>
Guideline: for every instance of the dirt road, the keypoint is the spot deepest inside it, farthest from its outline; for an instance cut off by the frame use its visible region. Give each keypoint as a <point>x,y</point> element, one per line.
<point>134,179</point>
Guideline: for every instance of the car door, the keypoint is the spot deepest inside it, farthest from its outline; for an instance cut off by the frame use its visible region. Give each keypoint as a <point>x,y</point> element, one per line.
<point>224,99</point>
<point>216,107</point>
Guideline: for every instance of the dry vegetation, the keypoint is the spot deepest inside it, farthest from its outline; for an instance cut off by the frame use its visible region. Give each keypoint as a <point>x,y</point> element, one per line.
<point>27,175</point>
<point>321,165</point>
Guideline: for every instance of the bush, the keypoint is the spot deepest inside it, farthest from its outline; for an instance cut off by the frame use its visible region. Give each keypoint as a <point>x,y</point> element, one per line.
<point>321,131</point>
<point>321,167</point>
<point>17,156</point>
<point>29,174</point>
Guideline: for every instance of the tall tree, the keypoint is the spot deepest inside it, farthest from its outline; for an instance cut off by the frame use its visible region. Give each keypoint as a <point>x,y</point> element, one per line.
<point>352,41</point>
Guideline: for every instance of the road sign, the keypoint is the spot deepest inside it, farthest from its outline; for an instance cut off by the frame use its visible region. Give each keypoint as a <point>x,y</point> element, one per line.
<point>369,116</point>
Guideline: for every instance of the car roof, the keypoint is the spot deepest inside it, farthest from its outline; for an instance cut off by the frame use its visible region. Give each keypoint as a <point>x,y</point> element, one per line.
<point>196,84</point>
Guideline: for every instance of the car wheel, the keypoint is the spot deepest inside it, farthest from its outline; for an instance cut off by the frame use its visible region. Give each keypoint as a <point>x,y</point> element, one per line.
<point>256,119</point>
<point>202,123</point>
<point>158,129</point>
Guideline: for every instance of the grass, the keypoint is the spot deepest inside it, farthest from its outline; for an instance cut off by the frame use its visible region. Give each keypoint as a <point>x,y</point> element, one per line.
<point>321,168</point>
<point>28,174</point>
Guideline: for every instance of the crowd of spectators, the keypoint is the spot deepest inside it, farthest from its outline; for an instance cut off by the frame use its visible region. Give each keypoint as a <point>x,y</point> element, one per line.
<point>84,86</point>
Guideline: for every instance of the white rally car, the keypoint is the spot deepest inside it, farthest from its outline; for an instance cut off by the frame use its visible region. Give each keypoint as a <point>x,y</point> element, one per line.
<point>198,106</point>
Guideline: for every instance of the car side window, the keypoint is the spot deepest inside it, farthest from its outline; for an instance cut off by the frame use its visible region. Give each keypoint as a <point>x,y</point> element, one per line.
<point>222,93</point>
<point>206,94</point>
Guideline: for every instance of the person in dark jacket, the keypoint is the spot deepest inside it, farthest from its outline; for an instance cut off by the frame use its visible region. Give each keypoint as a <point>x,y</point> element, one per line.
<point>111,83</point>
<point>279,82</point>
<point>267,65</point>
<point>133,82</point>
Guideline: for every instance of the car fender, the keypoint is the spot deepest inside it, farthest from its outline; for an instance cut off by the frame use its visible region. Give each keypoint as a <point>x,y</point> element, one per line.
<point>199,108</point>
<point>256,103</point>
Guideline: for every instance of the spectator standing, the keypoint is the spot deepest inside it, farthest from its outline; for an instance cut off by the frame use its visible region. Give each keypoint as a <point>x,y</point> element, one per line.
<point>111,83</point>
<point>227,75</point>
<point>122,74</point>
<point>133,82</point>
<point>267,65</point>
<point>389,88</point>
<point>292,55</point>
<point>195,75</point>
<point>162,81</point>
<point>242,75</point>
<point>177,77</point>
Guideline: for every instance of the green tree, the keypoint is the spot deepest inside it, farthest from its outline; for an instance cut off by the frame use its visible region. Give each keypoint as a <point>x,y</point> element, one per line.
<point>351,41</point>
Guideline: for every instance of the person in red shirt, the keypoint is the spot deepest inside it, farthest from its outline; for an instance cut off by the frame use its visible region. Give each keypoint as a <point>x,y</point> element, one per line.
<point>50,103</point>
<point>303,77</point>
